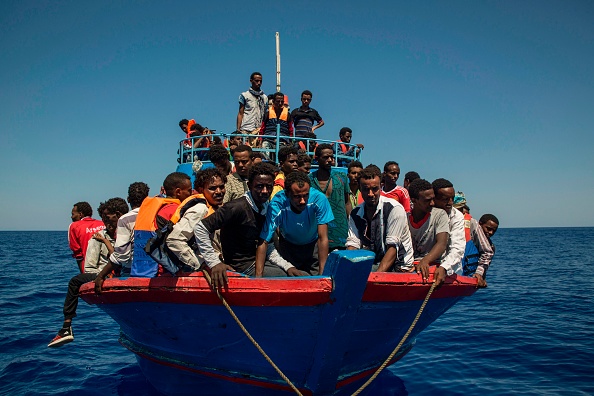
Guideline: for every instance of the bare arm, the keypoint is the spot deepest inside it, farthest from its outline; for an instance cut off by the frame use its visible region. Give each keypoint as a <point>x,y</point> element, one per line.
<point>388,259</point>
<point>322,245</point>
<point>441,242</point>
<point>240,115</point>
<point>318,125</point>
<point>261,257</point>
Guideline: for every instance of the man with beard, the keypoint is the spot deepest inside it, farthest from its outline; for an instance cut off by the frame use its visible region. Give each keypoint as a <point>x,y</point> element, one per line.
<point>379,224</point>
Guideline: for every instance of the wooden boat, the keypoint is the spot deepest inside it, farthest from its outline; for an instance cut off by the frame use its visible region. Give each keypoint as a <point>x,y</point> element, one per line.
<point>327,334</point>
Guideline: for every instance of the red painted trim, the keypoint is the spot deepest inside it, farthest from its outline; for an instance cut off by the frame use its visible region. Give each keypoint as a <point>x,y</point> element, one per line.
<point>242,291</point>
<point>394,286</point>
<point>194,289</point>
<point>236,380</point>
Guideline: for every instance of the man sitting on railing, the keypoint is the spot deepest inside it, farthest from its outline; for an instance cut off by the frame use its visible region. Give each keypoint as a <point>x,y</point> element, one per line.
<point>345,148</point>
<point>276,115</point>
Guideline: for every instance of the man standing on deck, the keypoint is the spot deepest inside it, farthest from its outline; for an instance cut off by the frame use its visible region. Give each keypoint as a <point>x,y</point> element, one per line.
<point>444,199</point>
<point>379,224</point>
<point>252,106</point>
<point>334,185</point>
<point>301,214</point>
<point>429,229</point>
<point>81,231</point>
<point>304,117</point>
<point>390,189</point>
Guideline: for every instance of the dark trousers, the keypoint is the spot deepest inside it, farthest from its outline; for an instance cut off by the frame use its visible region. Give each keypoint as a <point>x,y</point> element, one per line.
<point>303,257</point>
<point>71,301</point>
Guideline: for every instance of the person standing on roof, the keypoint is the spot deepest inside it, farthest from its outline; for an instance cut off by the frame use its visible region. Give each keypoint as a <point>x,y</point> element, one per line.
<point>252,106</point>
<point>277,115</point>
<point>305,117</point>
<point>81,231</point>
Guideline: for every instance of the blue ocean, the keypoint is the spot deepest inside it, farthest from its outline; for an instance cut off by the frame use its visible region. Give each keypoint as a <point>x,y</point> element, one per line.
<point>531,332</point>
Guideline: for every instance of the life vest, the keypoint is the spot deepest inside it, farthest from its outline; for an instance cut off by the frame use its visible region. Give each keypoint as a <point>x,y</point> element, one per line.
<point>156,247</point>
<point>274,120</point>
<point>279,181</point>
<point>471,253</point>
<point>142,264</point>
<point>344,148</point>
<point>467,218</point>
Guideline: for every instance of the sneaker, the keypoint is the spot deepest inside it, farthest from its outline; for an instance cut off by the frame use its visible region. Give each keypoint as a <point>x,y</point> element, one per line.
<point>64,336</point>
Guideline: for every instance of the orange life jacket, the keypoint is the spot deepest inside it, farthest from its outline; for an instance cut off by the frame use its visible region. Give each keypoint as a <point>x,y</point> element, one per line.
<point>467,218</point>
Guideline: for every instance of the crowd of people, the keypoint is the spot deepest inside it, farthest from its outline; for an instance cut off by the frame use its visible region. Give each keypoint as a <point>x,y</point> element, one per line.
<point>261,218</point>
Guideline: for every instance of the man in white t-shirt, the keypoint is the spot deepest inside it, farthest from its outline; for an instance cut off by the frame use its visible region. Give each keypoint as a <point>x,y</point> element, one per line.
<point>429,229</point>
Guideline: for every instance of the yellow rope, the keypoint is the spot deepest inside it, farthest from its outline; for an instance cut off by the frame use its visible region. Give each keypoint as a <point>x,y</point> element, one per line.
<point>241,326</point>
<point>412,326</point>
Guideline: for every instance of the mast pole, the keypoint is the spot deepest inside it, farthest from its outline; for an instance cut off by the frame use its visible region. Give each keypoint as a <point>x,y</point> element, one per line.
<point>278,63</point>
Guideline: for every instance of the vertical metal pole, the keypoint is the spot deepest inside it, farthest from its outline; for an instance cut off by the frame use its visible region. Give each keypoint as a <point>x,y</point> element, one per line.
<point>278,69</point>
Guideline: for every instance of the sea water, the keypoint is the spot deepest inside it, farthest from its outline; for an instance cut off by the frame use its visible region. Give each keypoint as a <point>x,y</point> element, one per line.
<point>530,332</point>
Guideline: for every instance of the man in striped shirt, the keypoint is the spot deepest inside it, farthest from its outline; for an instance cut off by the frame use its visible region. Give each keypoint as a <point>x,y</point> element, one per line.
<point>304,117</point>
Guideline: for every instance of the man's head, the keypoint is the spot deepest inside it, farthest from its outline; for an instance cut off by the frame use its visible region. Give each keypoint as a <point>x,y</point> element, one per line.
<point>325,156</point>
<point>297,189</point>
<point>287,159</point>
<point>137,192</point>
<point>391,174</point>
<point>183,124</point>
<point>256,81</point>
<point>375,168</point>
<point>278,100</point>
<point>421,194</point>
<point>80,210</point>
<point>211,183</point>
<point>110,211</point>
<point>444,194</point>
<point>242,157</point>
<point>345,134</point>
<point>306,98</point>
<point>353,171</point>
<point>235,139</point>
<point>304,163</point>
<point>409,177</point>
<point>177,185</point>
<point>219,156</point>
<point>261,182</point>
<point>489,223</point>
<point>257,157</point>
<point>370,186</point>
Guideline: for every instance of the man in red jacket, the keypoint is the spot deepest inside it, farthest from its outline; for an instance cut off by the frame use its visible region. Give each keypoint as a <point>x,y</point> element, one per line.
<point>81,230</point>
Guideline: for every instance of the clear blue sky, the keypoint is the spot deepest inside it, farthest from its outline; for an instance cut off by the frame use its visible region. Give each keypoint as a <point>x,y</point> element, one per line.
<point>496,96</point>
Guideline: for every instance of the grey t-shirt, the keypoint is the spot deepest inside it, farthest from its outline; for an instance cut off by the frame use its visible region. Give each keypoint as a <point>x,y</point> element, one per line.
<point>423,237</point>
<point>253,112</point>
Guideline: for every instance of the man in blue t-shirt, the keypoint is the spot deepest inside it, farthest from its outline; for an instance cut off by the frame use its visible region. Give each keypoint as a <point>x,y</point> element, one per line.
<point>301,215</point>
